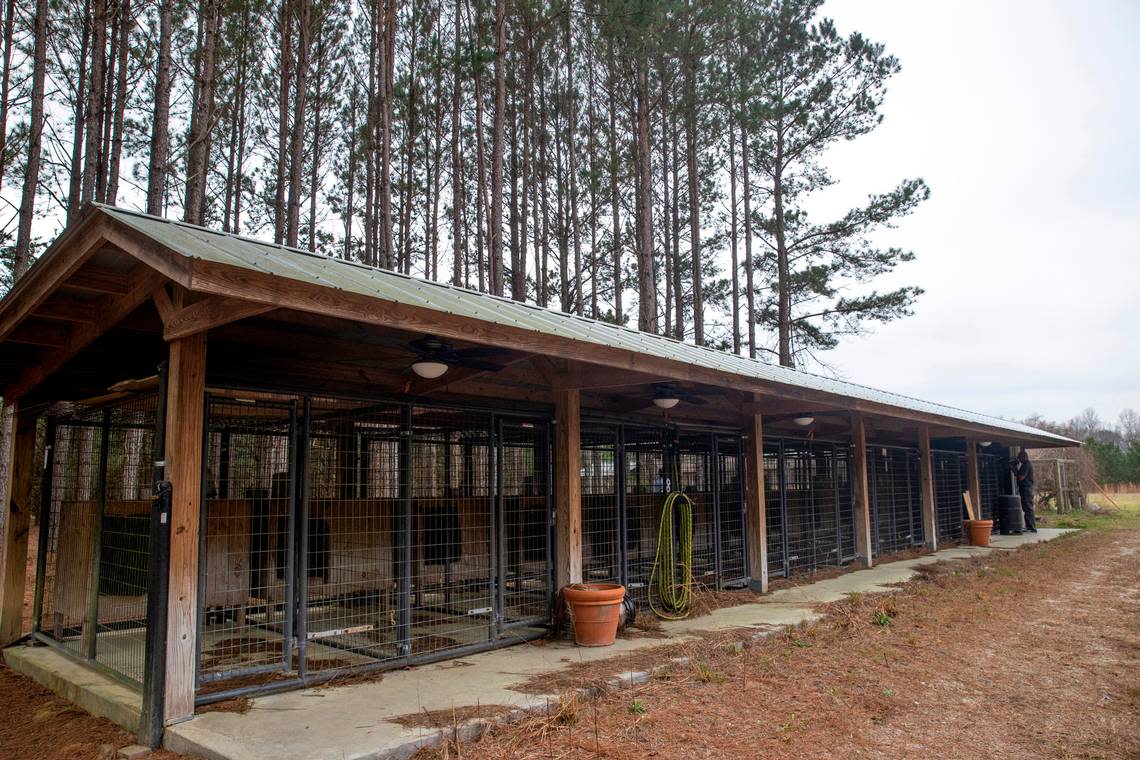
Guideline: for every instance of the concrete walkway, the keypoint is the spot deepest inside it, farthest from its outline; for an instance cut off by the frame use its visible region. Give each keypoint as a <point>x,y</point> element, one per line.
<point>354,721</point>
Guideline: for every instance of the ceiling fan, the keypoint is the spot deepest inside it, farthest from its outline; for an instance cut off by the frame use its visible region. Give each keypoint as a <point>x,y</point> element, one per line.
<point>668,395</point>
<point>431,350</point>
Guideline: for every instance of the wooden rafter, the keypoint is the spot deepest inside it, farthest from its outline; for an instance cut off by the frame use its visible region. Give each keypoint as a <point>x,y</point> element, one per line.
<point>208,313</point>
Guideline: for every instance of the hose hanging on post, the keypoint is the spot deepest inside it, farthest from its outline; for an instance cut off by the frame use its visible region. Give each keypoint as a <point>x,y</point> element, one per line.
<point>674,596</point>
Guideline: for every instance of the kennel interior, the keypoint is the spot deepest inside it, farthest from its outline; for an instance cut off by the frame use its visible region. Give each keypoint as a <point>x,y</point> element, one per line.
<point>90,595</point>
<point>949,470</point>
<point>344,534</point>
<point>627,471</point>
<point>809,507</point>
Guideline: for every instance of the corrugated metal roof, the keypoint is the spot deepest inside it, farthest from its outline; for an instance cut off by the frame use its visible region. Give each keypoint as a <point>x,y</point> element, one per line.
<point>195,242</point>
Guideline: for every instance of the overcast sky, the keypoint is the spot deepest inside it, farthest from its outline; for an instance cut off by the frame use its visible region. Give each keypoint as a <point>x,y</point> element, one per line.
<point>1024,118</point>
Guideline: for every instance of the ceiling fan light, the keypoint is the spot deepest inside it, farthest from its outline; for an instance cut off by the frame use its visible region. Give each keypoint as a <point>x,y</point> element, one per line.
<point>666,403</point>
<point>987,443</point>
<point>429,369</point>
<point>803,421</point>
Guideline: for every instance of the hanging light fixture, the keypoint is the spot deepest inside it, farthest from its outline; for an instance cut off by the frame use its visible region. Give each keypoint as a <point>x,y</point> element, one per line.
<point>665,402</point>
<point>803,421</point>
<point>987,444</point>
<point>429,369</point>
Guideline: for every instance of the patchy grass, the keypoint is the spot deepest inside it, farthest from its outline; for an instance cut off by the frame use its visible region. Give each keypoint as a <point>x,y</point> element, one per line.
<point>1045,637</point>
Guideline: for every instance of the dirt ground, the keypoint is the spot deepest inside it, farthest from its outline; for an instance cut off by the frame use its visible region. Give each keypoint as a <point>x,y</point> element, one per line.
<point>1026,654</point>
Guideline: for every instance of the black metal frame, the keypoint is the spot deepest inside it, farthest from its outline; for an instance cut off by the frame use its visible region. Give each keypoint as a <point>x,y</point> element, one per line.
<point>500,631</point>
<point>883,463</point>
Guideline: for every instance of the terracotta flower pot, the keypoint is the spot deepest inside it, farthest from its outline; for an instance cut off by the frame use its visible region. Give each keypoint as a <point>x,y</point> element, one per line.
<point>979,531</point>
<point>595,609</point>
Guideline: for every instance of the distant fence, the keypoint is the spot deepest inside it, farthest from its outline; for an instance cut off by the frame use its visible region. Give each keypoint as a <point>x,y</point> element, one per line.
<point>1122,487</point>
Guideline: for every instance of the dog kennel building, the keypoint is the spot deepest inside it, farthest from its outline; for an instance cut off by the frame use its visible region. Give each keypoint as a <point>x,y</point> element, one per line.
<point>240,482</point>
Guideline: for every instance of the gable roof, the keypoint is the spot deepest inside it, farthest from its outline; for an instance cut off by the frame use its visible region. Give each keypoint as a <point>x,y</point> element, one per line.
<point>196,243</point>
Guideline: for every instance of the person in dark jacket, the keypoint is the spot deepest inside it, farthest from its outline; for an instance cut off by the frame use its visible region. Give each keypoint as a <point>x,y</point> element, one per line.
<point>1023,471</point>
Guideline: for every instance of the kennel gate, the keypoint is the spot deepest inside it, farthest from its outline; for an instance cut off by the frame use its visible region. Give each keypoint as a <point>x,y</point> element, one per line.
<point>808,505</point>
<point>343,534</point>
<point>949,484</point>
<point>894,481</point>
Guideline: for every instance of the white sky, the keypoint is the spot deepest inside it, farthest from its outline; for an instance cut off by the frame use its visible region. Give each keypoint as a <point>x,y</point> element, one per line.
<point>1024,118</point>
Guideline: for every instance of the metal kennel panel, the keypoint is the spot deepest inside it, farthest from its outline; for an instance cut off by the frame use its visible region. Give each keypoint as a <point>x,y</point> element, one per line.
<point>817,505</point>
<point>91,582</point>
<point>601,504</point>
<point>949,483</point>
<point>452,530</point>
<point>348,562</point>
<point>246,552</point>
<point>774,508</point>
<point>695,457</point>
<point>733,548</point>
<point>992,469</point>
<point>894,498</point>
<point>525,510</point>
<point>647,479</point>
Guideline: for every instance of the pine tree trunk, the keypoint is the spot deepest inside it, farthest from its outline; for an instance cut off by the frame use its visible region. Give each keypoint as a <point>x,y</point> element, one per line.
<point>300,100</point>
<point>5,82</point>
<point>572,156</point>
<point>615,198</point>
<point>350,191</point>
<point>387,86</point>
<point>160,124</point>
<point>125,22</point>
<point>497,138</point>
<point>198,139</point>
<point>78,114</point>
<point>784,306</point>
<point>749,287</point>
<point>674,269</point>
<point>23,252</point>
<point>646,280</point>
<point>694,181</point>
<point>456,162</point>
<point>284,84</point>
<point>315,159</point>
<point>95,102</point>
<point>732,235</point>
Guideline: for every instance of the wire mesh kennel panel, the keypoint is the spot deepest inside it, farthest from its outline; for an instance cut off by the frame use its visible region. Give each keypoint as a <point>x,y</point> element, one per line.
<point>895,494</point>
<point>525,510</point>
<point>733,549</point>
<point>991,471</point>
<point>452,471</point>
<point>774,508</point>
<point>949,483</point>
<point>95,534</point>
<point>351,569</point>
<point>817,509</point>
<point>246,550</point>
<point>601,504</point>
<point>647,479</point>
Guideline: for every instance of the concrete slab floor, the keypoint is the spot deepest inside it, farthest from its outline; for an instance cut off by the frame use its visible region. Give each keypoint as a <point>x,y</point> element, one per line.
<point>354,722</point>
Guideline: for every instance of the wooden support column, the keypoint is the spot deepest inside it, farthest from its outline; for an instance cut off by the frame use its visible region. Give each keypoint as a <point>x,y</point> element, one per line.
<point>860,491</point>
<point>185,396</point>
<point>757,516</point>
<point>567,488</point>
<point>926,467</point>
<point>20,431</point>
<point>973,479</point>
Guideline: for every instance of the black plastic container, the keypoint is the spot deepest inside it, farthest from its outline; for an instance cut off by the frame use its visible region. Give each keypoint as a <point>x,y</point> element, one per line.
<point>1011,521</point>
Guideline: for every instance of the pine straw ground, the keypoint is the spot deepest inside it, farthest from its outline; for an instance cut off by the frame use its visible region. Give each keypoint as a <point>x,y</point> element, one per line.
<point>1033,653</point>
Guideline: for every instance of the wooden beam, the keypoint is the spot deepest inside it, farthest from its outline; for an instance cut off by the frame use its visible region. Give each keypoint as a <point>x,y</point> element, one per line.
<point>973,482</point>
<point>65,309</point>
<point>757,516</point>
<point>210,312</point>
<point>41,333</point>
<point>926,468</point>
<point>62,259</point>
<point>567,488</point>
<point>164,305</point>
<point>185,396</point>
<point>143,284</point>
<point>20,430</point>
<point>99,280</point>
<point>861,493</point>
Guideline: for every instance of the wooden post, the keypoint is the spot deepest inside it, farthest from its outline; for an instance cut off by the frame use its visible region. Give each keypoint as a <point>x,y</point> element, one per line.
<point>757,520</point>
<point>568,488</point>
<point>973,480</point>
<point>1060,485</point>
<point>926,466</point>
<point>185,396</point>
<point>20,429</point>
<point>860,491</point>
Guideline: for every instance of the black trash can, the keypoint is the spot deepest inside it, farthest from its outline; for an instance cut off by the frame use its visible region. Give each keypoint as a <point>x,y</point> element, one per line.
<point>1011,520</point>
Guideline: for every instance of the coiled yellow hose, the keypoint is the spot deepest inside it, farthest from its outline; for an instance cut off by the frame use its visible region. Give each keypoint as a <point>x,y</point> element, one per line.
<point>672,580</point>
